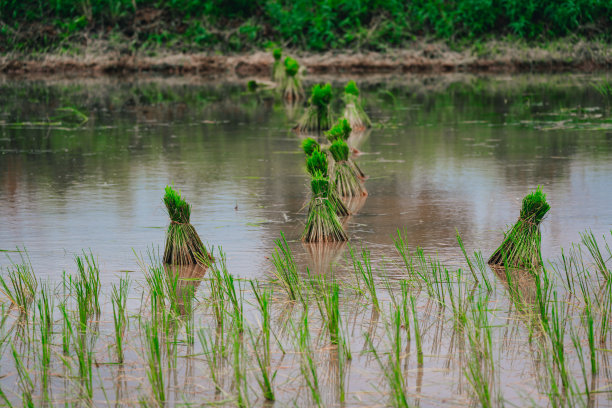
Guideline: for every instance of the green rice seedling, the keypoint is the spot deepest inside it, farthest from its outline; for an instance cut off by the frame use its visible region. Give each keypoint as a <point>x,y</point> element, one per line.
<point>328,303</point>
<point>88,283</point>
<point>212,355</point>
<point>392,369</point>
<point>119,294</point>
<point>217,298</point>
<point>318,115</point>
<point>20,284</point>
<point>363,272</point>
<point>353,110</point>
<point>183,244</point>
<point>82,338</point>
<point>521,247</point>
<point>580,354</point>
<point>417,331</point>
<point>45,313</point>
<point>589,241</point>
<point>556,334</point>
<point>316,163</point>
<point>606,309</point>
<point>345,176</point>
<point>590,329</point>
<point>292,84</point>
<point>467,258</point>
<point>154,365</point>
<point>240,373</point>
<point>322,224</point>
<point>308,365</point>
<point>231,289</point>
<point>278,69</point>
<point>26,385</point>
<point>286,270</point>
<point>262,354</point>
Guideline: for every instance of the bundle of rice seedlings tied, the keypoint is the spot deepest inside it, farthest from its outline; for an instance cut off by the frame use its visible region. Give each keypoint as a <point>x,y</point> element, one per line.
<point>318,116</point>
<point>323,224</point>
<point>278,69</point>
<point>342,131</point>
<point>183,245</point>
<point>292,83</point>
<point>521,248</point>
<point>316,163</point>
<point>353,109</point>
<point>345,176</point>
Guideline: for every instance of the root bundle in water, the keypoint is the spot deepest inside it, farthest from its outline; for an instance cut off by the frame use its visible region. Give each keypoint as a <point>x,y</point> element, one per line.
<point>522,244</point>
<point>323,224</point>
<point>318,116</point>
<point>346,177</point>
<point>183,244</point>
<point>353,111</point>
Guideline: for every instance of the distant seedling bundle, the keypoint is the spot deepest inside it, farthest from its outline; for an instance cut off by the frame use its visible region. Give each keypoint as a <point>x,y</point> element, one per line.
<point>353,110</point>
<point>521,248</point>
<point>318,116</point>
<point>183,244</point>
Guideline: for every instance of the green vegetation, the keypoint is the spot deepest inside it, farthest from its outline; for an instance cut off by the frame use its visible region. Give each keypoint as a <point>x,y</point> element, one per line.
<point>318,115</point>
<point>522,244</point>
<point>239,25</point>
<point>322,224</point>
<point>291,85</point>
<point>346,177</point>
<point>353,110</point>
<point>183,244</point>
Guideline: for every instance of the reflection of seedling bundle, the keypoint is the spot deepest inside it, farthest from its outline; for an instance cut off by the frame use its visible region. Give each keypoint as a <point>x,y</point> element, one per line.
<point>183,245</point>
<point>316,163</point>
<point>292,83</point>
<point>318,115</point>
<point>323,223</point>
<point>278,69</point>
<point>353,110</point>
<point>345,176</point>
<point>522,244</point>
<point>341,131</point>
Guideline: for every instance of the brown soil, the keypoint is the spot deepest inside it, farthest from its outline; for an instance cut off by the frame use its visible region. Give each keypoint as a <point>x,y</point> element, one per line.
<point>425,58</point>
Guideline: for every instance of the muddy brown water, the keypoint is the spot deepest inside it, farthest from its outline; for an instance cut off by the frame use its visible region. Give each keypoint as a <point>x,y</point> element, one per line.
<point>447,154</point>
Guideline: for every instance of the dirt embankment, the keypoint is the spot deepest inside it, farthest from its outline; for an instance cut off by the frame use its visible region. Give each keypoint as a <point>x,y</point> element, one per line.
<point>426,58</point>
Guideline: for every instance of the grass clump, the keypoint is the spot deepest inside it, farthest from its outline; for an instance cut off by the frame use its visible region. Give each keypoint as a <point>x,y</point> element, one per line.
<point>323,224</point>
<point>316,163</point>
<point>278,69</point>
<point>309,145</point>
<point>340,131</point>
<point>346,178</point>
<point>521,248</point>
<point>318,116</point>
<point>183,245</point>
<point>292,84</point>
<point>353,110</point>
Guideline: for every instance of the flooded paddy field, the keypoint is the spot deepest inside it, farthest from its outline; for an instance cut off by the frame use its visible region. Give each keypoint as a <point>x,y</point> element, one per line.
<point>397,316</point>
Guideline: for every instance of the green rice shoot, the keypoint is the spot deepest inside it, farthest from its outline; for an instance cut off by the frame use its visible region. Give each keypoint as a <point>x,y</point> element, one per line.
<point>353,110</point>
<point>322,224</point>
<point>318,115</point>
<point>183,244</point>
<point>345,177</point>
<point>340,131</point>
<point>521,248</point>
<point>317,163</point>
<point>278,69</point>
<point>292,83</point>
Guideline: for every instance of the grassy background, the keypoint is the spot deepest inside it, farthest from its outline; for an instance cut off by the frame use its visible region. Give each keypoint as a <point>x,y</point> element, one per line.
<point>313,25</point>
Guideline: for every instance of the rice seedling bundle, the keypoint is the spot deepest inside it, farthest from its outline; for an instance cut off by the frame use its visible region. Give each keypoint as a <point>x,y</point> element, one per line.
<point>316,163</point>
<point>278,69</point>
<point>323,224</point>
<point>318,116</point>
<point>521,247</point>
<point>342,131</point>
<point>183,245</point>
<point>292,83</point>
<point>353,110</point>
<point>345,176</point>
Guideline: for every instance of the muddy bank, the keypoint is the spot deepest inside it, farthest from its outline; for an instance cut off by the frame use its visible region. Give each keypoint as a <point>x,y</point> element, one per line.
<point>425,58</point>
